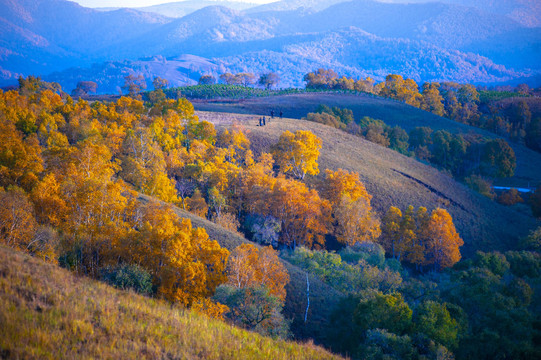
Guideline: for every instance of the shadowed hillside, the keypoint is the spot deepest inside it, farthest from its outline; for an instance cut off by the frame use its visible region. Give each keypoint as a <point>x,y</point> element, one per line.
<point>48,312</point>
<point>394,179</point>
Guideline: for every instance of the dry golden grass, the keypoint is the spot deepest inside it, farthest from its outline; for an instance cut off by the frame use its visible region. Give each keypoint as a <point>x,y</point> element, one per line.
<point>48,313</point>
<point>394,179</point>
<point>391,111</point>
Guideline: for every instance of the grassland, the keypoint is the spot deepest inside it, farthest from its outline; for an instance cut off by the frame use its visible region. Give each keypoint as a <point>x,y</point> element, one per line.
<point>394,179</point>
<point>392,112</point>
<point>47,312</point>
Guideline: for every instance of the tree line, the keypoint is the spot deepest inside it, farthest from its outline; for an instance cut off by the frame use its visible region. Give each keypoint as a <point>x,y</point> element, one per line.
<point>504,110</point>
<point>473,160</point>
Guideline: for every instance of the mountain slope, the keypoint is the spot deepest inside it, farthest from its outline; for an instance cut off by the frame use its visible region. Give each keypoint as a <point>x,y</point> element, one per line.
<point>394,179</point>
<point>42,36</point>
<point>323,298</point>
<point>47,312</point>
<point>182,8</point>
<point>351,52</point>
<point>442,24</point>
<point>428,41</point>
<point>393,113</point>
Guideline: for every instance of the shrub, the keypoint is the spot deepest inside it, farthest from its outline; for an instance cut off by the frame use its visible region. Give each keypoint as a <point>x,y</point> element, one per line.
<point>371,252</point>
<point>254,308</point>
<point>509,197</point>
<point>128,277</point>
<point>228,221</point>
<point>481,185</point>
<point>533,240</point>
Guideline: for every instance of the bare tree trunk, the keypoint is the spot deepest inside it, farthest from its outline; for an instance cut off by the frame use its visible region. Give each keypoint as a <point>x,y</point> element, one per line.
<point>307,298</point>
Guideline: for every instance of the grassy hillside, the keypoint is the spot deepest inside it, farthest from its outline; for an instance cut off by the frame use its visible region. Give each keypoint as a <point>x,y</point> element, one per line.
<point>394,179</point>
<point>391,111</point>
<point>323,298</point>
<point>47,312</point>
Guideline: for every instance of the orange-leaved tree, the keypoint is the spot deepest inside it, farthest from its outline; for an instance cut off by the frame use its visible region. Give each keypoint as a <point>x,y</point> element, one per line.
<point>304,216</point>
<point>186,265</point>
<point>443,242</point>
<point>252,266</point>
<point>396,239</point>
<point>17,222</point>
<point>20,156</point>
<point>354,219</point>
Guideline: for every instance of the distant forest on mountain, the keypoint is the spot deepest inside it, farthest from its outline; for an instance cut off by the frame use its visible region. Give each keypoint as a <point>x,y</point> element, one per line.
<point>440,41</point>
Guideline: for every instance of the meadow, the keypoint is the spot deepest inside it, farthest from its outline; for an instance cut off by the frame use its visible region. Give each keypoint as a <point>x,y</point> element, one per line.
<point>51,313</point>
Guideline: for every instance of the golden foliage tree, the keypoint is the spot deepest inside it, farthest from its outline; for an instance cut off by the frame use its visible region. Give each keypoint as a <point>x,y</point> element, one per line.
<point>186,264</point>
<point>406,90</point>
<point>49,205</point>
<point>354,219</point>
<point>17,222</point>
<point>303,214</point>
<point>297,153</point>
<point>236,144</point>
<point>391,232</point>
<point>197,204</point>
<point>20,157</point>
<point>249,266</point>
<point>443,242</point>
<point>355,222</point>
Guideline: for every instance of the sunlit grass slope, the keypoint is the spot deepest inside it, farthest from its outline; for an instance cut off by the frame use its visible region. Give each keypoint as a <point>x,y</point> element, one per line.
<point>398,180</point>
<point>391,111</point>
<point>323,298</point>
<point>47,312</point>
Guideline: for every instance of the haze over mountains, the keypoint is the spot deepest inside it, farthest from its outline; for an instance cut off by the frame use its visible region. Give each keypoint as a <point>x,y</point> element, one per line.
<point>485,42</point>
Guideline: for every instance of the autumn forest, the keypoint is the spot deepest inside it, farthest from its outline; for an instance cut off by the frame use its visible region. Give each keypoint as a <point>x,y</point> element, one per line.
<point>109,190</point>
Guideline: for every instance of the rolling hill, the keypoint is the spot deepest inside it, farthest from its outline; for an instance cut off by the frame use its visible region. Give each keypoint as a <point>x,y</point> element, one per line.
<point>182,8</point>
<point>48,312</point>
<point>39,37</point>
<point>426,41</point>
<point>394,179</point>
<point>390,111</point>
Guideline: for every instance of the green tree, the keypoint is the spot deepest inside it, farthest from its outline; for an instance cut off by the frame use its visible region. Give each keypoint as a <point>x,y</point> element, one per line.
<point>254,308</point>
<point>434,320</point>
<point>382,311</point>
<point>269,80</point>
<point>498,159</point>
